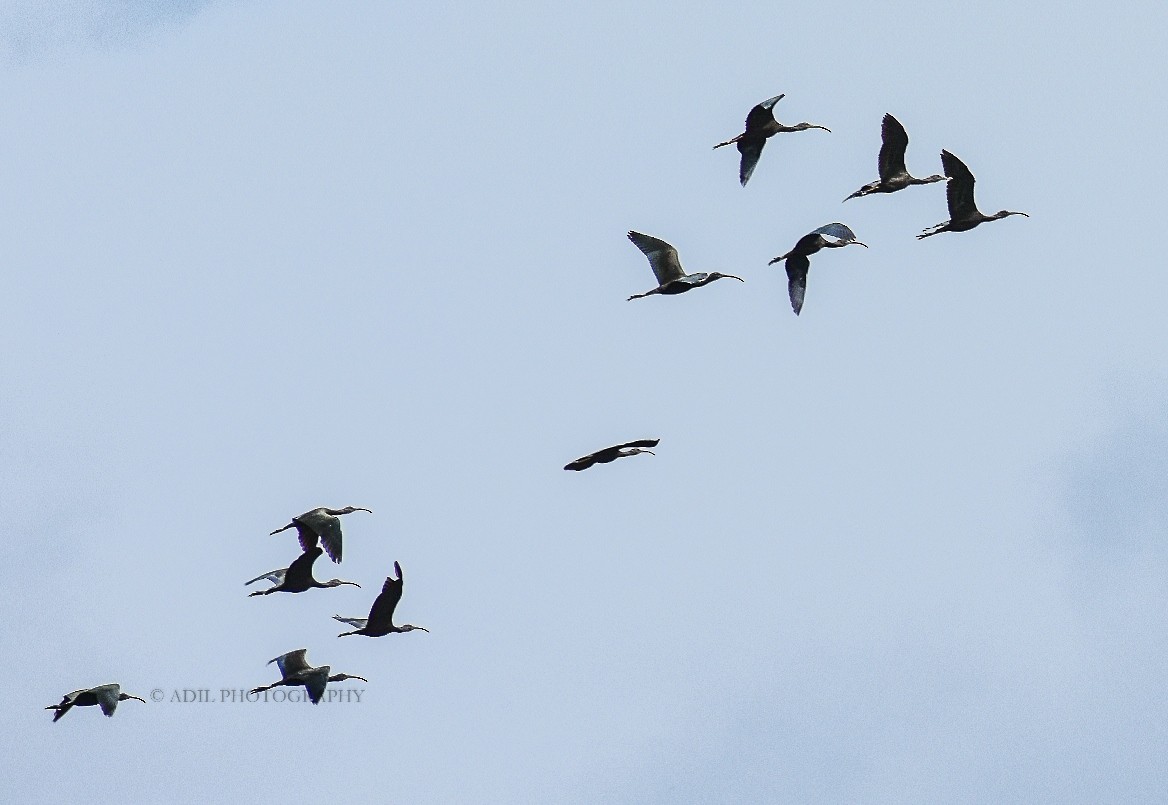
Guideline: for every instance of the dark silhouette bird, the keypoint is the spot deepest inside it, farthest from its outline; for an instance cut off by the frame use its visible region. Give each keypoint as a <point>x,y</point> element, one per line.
<point>297,577</point>
<point>380,620</point>
<point>613,453</point>
<point>893,175</point>
<point>295,670</point>
<point>963,213</point>
<point>831,236</point>
<point>761,124</point>
<point>671,277</point>
<point>322,525</point>
<point>105,696</point>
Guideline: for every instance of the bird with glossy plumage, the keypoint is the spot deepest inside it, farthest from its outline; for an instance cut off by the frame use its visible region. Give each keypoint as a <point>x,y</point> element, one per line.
<point>831,236</point>
<point>609,454</point>
<point>671,277</point>
<point>380,620</point>
<point>295,671</point>
<point>963,213</point>
<point>894,175</point>
<point>297,577</point>
<point>321,525</point>
<point>761,125</point>
<point>104,696</point>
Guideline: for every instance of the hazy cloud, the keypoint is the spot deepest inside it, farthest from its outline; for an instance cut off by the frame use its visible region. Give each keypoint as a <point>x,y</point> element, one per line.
<point>34,28</point>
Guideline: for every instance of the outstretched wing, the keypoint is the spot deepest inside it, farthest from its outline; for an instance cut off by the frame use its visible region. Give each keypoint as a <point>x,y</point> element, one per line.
<point>893,142</point>
<point>107,697</point>
<point>359,623</point>
<point>315,681</point>
<point>638,443</point>
<point>662,257</point>
<point>837,230</point>
<point>959,188</point>
<point>381,613</point>
<point>300,571</point>
<point>323,525</point>
<point>762,114</point>
<point>274,576</point>
<point>797,265</point>
<point>291,663</point>
<point>751,150</point>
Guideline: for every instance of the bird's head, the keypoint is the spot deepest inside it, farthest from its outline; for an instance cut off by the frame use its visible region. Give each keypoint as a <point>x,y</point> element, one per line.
<point>718,275</point>
<point>351,509</point>
<point>339,582</point>
<point>410,627</point>
<point>343,677</point>
<point>934,178</point>
<point>123,696</point>
<point>805,126</point>
<point>1004,213</point>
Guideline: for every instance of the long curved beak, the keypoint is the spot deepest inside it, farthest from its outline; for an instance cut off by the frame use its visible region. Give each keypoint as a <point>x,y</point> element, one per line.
<point>650,452</point>
<point>1023,213</point>
<point>857,243</point>
<point>825,128</point>
<point>139,698</point>
<point>363,679</point>
<point>423,628</point>
<point>360,509</point>
<point>731,276</point>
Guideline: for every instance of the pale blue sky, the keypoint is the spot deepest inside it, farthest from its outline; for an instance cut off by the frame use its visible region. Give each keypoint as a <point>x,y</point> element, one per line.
<point>267,256</point>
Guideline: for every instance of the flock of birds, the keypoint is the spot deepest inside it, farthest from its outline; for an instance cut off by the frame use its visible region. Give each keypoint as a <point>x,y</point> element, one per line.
<point>761,125</point>
<point>319,530</point>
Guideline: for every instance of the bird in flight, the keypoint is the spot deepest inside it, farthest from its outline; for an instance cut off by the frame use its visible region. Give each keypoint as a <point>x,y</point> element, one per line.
<point>321,525</point>
<point>831,236</point>
<point>297,577</point>
<point>105,696</point>
<point>295,671</point>
<point>613,453</point>
<point>963,213</point>
<point>893,174</point>
<point>380,620</point>
<point>671,277</point>
<point>760,124</point>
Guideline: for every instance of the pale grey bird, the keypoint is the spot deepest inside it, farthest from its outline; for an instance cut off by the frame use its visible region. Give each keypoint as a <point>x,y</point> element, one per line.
<point>893,174</point>
<point>671,277</point>
<point>296,671</point>
<point>963,213</point>
<point>830,236</point>
<point>105,696</point>
<point>297,577</point>
<point>380,620</point>
<point>322,525</point>
<point>760,124</point>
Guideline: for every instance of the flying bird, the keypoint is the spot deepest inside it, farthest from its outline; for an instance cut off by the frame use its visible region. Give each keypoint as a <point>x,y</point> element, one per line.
<point>963,213</point>
<point>321,525</point>
<point>671,277</point>
<point>295,671</point>
<point>105,696</point>
<point>761,124</point>
<point>297,577</point>
<point>613,453</point>
<point>831,236</point>
<point>893,175</point>
<point>380,620</point>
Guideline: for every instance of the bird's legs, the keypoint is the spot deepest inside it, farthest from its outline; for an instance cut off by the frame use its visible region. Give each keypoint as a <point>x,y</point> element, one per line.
<point>285,528</point>
<point>933,230</point>
<point>730,142</point>
<point>643,295</point>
